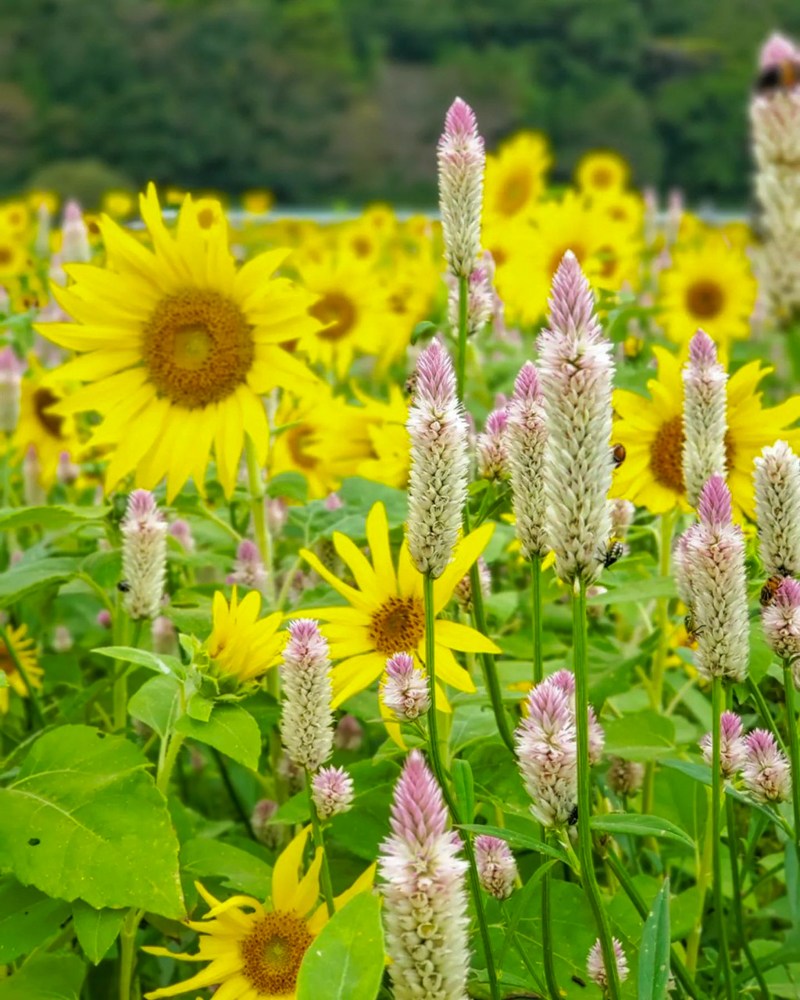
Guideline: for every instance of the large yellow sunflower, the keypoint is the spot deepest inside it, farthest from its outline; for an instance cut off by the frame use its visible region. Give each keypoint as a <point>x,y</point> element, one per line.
<point>254,950</point>
<point>242,646</point>
<point>49,433</point>
<point>180,347</point>
<point>515,177</point>
<point>652,432</point>
<point>709,285</point>
<point>23,648</point>
<point>386,613</point>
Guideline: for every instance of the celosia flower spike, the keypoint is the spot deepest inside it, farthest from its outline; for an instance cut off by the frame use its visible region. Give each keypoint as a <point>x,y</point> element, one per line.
<point>461,159</point>
<point>492,446</point>
<point>497,869</point>
<point>732,750</point>
<point>307,720</point>
<point>525,438</point>
<point>777,487</point>
<point>596,967</point>
<point>332,791</point>
<point>704,419</point>
<point>405,690</point>
<point>767,773</point>
<point>144,555</point>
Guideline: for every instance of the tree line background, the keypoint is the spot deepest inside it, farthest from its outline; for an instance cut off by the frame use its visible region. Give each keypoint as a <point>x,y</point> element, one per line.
<point>325,101</point>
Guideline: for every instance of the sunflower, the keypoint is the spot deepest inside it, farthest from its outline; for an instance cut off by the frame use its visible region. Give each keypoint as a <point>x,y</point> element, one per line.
<point>120,204</point>
<point>652,432</point>
<point>13,258</point>
<point>180,347</point>
<point>49,433</point>
<point>257,202</point>
<point>515,177</point>
<point>254,950</point>
<point>709,285</point>
<point>240,645</point>
<point>386,613</point>
<point>602,174</point>
<point>15,218</point>
<point>23,648</point>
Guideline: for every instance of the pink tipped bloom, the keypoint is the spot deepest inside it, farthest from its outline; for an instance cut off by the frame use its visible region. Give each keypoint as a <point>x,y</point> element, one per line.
<point>731,745</point>
<point>480,300</point>
<point>526,437</point>
<point>576,369</point>
<point>404,690</point>
<point>349,733</point>
<point>497,869</point>
<point>66,470</point>
<point>267,833</point>
<point>776,50</point>
<point>565,680</point>
<point>437,488</point>
<point>625,776</point>
<point>103,618</point>
<point>248,570</point>
<point>704,415</point>
<point>777,482</point>
<point>492,446</point>
<point>767,773</point>
<point>463,589</point>
<point>144,555</point>
<point>182,533</point>
<point>713,570</point>
<point>596,966</point>
<point>333,502</point>
<point>307,720</point>
<point>425,909</point>
<point>780,620</point>
<point>461,159</point>
<point>332,791</point>
<point>74,236</point>
<point>11,369</point>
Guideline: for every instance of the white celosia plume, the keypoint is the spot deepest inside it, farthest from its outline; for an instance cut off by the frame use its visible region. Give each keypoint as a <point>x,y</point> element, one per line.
<point>777,482</point>
<point>704,415</point>
<point>144,555</point>
<point>307,719</point>
<point>525,439</point>
<point>461,159</point>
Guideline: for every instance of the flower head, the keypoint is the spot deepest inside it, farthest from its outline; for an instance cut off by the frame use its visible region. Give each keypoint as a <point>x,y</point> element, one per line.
<point>767,773</point>
<point>181,531</point>
<point>405,690</point>
<point>249,570</point>
<point>596,966</point>
<point>732,749</point>
<point>349,733</point>
<point>332,791</point>
<point>241,646</point>
<point>463,590</point>
<point>497,869</point>
<point>426,904</point>
<point>437,489</point>
<point>307,718</point>
<point>461,160</point>
<point>144,555</point>
<point>777,485</point>
<point>780,620</point>
<point>18,647</point>
<point>625,776</point>
<point>704,403</point>
<point>492,446</point>
<point>525,439</point>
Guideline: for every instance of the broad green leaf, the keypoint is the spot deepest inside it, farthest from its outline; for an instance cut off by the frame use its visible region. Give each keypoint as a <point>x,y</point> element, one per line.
<point>97,930</point>
<point>346,959</point>
<point>156,703</point>
<point>638,592</point>
<point>465,789</point>
<point>294,810</point>
<point>471,723</point>
<point>25,578</point>
<point>231,729</point>
<point>641,826</point>
<point>45,977</point>
<point>644,735</point>
<point>84,820</point>
<point>290,485</point>
<point>519,840</point>
<point>27,918</point>
<point>159,662</point>
<point>48,518</point>
<point>654,968</point>
<point>243,872</point>
<point>702,773</point>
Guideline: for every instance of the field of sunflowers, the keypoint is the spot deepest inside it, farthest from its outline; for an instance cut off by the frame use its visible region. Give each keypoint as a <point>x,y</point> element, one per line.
<point>405,606</point>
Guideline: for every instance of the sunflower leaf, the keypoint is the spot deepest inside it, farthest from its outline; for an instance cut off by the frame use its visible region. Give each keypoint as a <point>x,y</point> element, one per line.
<point>96,929</point>
<point>230,729</point>
<point>45,977</point>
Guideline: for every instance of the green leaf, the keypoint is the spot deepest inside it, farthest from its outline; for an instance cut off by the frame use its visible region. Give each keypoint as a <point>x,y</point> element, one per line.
<point>231,729</point>
<point>346,959</point>
<point>638,592</point>
<point>27,918</point>
<point>291,485</point>
<point>97,930</point>
<point>46,977</point>
<point>641,826</point>
<point>156,703</point>
<point>25,578</point>
<point>519,840</point>
<point>654,950</point>
<point>162,664</point>
<point>425,328</point>
<point>48,518</point>
<point>294,810</point>
<point>644,735</point>
<point>239,870</point>
<point>84,820</point>
<point>465,789</point>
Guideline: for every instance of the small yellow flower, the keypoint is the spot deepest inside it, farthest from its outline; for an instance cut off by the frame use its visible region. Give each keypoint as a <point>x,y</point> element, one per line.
<point>241,645</point>
<point>257,202</point>
<point>13,257</point>
<point>602,174</point>
<point>24,648</point>
<point>255,950</point>
<point>515,177</point>
<point>120,204</point>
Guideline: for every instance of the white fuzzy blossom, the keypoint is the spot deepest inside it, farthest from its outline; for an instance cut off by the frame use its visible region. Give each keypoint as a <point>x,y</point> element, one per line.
<point>144,555</point>
<point>525,440</point>
<point>307,719</point>
<point>461,159</point>
<point>704,415</point>
<point>777,482</point>
<point>405,690</point>
<point>437,487</point>
<point>575,370</point>
<point>332,792</point>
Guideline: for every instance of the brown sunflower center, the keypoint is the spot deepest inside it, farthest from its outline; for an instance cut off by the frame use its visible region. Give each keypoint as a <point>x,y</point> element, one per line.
<point>666,455</point>
<point>499,255</point>
<point>197,347</point>
<point>362,247</point>
<point>337,312</point>
<point>558,255</point>
<point>6,256</point>
<point>398,625</point>
<point>298,438</point>
<point>705,299</point>
<point>205,218</point>
<point>272,953</point>
<point>514,193</point>
<point>6,662</point>
<point>602,178</point>
<point>50,423</point>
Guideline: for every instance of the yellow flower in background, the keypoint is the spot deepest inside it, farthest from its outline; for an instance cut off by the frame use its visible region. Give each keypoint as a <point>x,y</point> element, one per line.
<point>383,438</point>
<point>241,645</point>
<point>15,219</point>
<point>386,613</point>
<point>49,199</point>
<point>257,202</point>
<point>14,259</point>
<point>709,286</point>
<point>515,177</point>
<point>209,214</point>
<point>625,208</point>
<point>49,433</point>
<point>652,432</point>
<point>120,204</point>
<point>255,950</point>
<point>21,648</point>
<point>602,174</point>
<point>179,348</point>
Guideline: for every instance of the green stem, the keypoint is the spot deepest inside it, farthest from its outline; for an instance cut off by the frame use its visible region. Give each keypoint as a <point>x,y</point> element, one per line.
<point>737,897</point>
<point>441,777</point>
<point>257,494</point>
<point>127,952</point>
<point>36,708</point>
<point>233,795</point>
<point>794,746</point>
<point>764,712</point>
<point>167,763</point>
<point>581,641</point>
<point>716,832</point>
<point>536,611</point>
<point>461,365</point>
<point>547,938</point>
<point>630,890</point>
<point>532,972</point>
<point>120,695</point>
<point>319,840</point>
<point>488,668</point>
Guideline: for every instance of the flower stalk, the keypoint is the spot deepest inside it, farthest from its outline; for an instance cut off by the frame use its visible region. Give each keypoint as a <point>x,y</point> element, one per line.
<point>794,745</point>
<point>716,830</point>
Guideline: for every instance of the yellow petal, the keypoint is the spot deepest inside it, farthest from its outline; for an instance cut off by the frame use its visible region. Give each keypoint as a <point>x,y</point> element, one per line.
<point>380,550</point>
<point>355,597</point>
<point>284,875</point>
<point>308,890</point>
<point>463,638</point>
